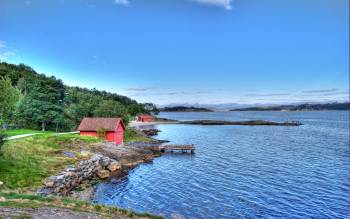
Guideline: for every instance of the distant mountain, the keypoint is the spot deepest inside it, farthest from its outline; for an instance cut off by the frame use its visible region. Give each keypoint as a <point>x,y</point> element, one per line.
<point>300,107</point>
<point>214,107</point>
<point>185,109</point>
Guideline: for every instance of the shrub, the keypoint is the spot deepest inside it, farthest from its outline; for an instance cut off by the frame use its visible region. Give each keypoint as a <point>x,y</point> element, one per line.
<point>2,137</point>
<point>101,132</point>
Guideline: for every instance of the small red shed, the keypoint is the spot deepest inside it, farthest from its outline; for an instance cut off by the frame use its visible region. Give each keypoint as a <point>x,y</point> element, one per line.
<point>145,118</point>
<point>114,128</point>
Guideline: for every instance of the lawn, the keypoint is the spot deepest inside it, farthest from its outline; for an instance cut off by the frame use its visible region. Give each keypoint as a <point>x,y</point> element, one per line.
<point>24,163</point>
<point>14,132</point>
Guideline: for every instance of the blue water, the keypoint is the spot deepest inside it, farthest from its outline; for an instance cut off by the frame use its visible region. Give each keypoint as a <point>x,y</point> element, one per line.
<point>244,171</point>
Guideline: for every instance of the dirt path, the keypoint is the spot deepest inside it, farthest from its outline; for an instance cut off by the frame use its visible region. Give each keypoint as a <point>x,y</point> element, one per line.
<point>45,213</point>
<point>28,135</point>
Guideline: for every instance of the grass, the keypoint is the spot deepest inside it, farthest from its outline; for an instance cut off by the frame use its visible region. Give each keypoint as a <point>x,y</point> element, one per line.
<point>14,132</point>
<point>33,201</point>
<point>24,163</point>
<point>132,135</point>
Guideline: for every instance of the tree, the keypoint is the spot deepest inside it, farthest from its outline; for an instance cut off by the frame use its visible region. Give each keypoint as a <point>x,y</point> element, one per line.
<point>2,135</point>
<point>151,108</point>
<point>43,105</point>
<point>38,113</point>
<point>110,108</point>
<point>9,95</point>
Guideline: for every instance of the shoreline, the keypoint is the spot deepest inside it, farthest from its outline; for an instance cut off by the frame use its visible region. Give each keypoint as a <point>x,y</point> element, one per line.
<point>215,122</point>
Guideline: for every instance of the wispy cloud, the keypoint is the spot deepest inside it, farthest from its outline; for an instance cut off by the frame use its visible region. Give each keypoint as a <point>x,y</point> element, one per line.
<point>6,52</point>
<point>121,2</point>
<point>2,44</point>
<point>321,91</point>
<point>138,89</point>
<point>269,95</point>
<point>226,4</point>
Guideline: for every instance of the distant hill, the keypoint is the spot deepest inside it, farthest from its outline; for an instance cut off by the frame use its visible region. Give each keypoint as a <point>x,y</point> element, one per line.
<point>185,109</point>
<point>301,107</point>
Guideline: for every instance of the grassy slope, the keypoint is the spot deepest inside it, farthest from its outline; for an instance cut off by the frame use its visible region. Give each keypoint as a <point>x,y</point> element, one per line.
<point>131,135</point>
<point>14,132</point>
<point>24,163</point>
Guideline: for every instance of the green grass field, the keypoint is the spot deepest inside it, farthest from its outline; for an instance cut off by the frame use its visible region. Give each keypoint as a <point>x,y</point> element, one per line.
<point>24,163</point>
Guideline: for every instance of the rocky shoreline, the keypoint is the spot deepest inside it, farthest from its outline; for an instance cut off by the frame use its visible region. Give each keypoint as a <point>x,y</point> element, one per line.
<point>104,161</point>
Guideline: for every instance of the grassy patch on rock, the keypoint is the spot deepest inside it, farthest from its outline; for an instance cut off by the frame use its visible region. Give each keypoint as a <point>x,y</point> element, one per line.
<point>24,163</point>
<point>133,135</point>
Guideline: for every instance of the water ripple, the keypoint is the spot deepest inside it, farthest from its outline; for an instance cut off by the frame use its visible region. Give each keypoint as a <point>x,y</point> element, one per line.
<point>244,172</point>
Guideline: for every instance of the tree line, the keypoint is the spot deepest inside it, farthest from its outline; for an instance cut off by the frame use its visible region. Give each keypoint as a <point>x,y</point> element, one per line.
<point>36,101</point>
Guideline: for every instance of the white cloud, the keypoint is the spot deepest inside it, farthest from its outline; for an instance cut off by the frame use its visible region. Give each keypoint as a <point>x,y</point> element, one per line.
<point>2,44</point>
<point>6,52</point>
<point>4,55</point>
<point>122,2</point>
<point>221,3</point>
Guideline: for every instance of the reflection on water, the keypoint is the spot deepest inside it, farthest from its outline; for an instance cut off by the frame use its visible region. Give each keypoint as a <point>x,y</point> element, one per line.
<point>244,171</point>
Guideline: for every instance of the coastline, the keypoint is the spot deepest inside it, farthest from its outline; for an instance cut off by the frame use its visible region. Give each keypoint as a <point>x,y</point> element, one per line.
<point>91,162</point>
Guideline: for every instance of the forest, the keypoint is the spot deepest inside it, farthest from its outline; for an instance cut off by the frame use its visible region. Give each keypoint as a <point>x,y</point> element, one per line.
<point>36,101</point>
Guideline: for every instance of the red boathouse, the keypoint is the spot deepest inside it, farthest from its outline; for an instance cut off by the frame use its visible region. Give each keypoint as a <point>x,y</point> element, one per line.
<point>145,118</point>
<point>114,128</point>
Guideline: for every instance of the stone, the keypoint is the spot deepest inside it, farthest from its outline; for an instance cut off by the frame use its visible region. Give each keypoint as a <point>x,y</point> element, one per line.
<point>69,154</point>
<point>49,183</point>
<point>2,199</point>
<point>114,166</point>
<point>104,161</point>
<point>60,177</point>
<point>85,154</point>
<point>70,173</point>
<point>103,174</point>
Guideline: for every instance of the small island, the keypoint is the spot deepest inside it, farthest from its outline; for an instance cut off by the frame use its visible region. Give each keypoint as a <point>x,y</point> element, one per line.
<point>185,109</point>
<point>301,107</point>
<point>249,122</point>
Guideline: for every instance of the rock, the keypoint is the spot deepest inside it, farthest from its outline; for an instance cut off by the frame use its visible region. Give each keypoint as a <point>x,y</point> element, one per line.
<point>70,174</point>
<point>103,174</point>
<point>1,183</point>
<point>85,154</point>
<point>114,166</point>
<point>2,199</point>
<point>104,162</point>
<point>69,154</point>
<point>49,183</point>
<point>150,132</point>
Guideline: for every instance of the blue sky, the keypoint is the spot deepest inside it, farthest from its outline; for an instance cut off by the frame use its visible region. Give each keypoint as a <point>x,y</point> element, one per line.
<point>186,51</point>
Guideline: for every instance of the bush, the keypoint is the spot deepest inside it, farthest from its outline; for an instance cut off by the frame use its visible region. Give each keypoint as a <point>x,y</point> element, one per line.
<point>101,132</point>
<point>2,137</point>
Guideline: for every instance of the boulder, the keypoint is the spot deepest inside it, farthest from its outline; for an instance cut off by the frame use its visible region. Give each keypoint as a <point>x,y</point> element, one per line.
<point>103,174</point>
<point>113,166</point>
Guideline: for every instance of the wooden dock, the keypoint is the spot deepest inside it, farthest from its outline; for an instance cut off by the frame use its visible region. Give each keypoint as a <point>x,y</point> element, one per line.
<point>182,148</point>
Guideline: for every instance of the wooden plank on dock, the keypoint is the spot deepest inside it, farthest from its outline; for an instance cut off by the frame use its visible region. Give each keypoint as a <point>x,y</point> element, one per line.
<point>182,148</point>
